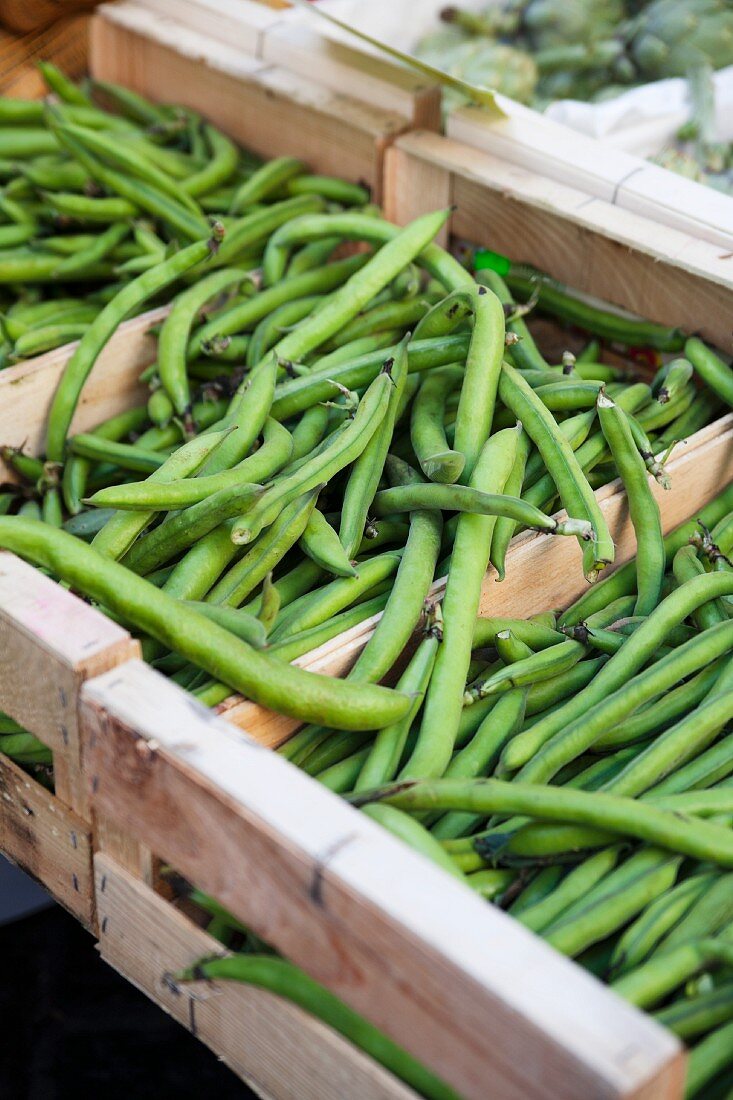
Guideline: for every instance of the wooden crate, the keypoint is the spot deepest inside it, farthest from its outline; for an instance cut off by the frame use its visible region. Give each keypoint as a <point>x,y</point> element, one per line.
<point>276,1048</point>
<point>654,271</point>
<point>417,952</point>
<point>288,40</point>
<point>599,168</point>
<point>269,109</point>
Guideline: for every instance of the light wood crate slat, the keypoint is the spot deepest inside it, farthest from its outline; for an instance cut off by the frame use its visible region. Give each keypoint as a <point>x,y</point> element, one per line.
<point>47,840</point>
<point>652,270</point>
<point>276,1048</point>
<point>50,642</point>
<point>417,952</point>
<point>268,109</point>
<point>295,42</point>
<point>28,388</point>
<point>597,167</point>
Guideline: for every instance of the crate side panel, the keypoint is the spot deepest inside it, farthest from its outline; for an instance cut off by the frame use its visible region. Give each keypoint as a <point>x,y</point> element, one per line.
<point>275,1047</point>
<point>47,840</point>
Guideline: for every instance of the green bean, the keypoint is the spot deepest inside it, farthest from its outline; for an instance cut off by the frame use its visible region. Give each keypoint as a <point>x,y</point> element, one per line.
<point>572,307</point>
<point>649,983</point>
<point>146,495</point>
<point>524,353</point>
<point>544,665</point>
<point>471,549</point>
<point>427,433</point>
<point>361,227</point>
<point>362,286</point>
<point>573,934</point>
<point>539,886</point>
<point>685,566</point>
<point>243,314</point>
<point>117,536</point>
<point>81,208</point>
<point>341,777</point>
<point>271,683</point>
<point>287,981</point>
<point>480,755</point>
<point>366,471</point>
<point>265,181</point>
<point>693,1016</point>
<point>409,590</point>
<point>26,266</point>
<point>462,498</point>
<point>11,235</point>
<point>593,711</point>
<point>321,543</point>
<point>510,648</point>
<point>710,914</point>
<point>185,527</point>
<point>571,889</point>
<point>346,445</point>
<point>663,828</point>
<point>301,393</point>
<point>202,565</point>
<point>312,255</point>
<point>221,164</point>
<point>716,374</point>
<point>335,190</point>
<point>126,455</point>
<point>79,366</point>
<point>309,431</point>
<point>21,143</point>
<point>643,936</point>
<point>315,607</point>
<point>562,464</point>
<point>174,335</point>
<point>138,191</point>
<point>707,768</point>
<point>46,338</point>
<point>711,1055</point>
<point>537,635</point>
<point>87,145</point>
<point>506,526</point>
<point>20,112</point>
<point>271,328</point>
<point>622,581</point>
<point>237,622</point>
<point>246,574</point>
<point>385,754</point>
<point>308,640</point>
<point>643,508</point>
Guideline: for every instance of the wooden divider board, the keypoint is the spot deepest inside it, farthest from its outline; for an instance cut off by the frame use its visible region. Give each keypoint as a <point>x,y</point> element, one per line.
<point>415,951</point>
<point>531,141</point>
<point>50,642</point>
<point>47,840</point>
<point>27,389</point>
<point>294,41</point>
<point>271,111</point>
<point>275,1047</point>
<point>652,270</point>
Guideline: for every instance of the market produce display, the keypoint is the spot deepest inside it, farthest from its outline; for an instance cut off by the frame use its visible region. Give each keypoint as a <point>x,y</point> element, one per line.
<point>537,51</point>
<point>342,421</point>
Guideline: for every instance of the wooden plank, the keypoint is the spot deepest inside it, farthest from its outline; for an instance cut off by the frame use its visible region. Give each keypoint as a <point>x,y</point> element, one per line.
<point>628,260</point>
<point>375,80</point>
<point>598,167</point>
<point>47,840</point>
<point>371,919</point>
<point>267,109</point>
<point>27,389</point>
<point>238,24</point>
<point>276,1048</point>
<point>50,642</point>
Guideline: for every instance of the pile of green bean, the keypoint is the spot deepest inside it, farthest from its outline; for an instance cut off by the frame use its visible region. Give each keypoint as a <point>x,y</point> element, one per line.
<point>340,416</point>
<point>91,197</point>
